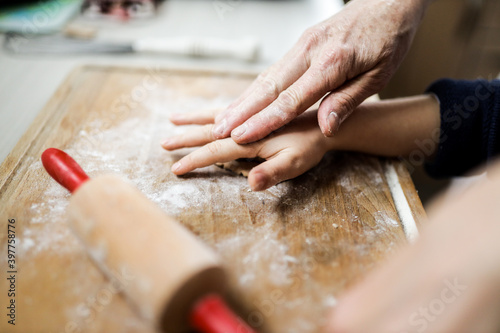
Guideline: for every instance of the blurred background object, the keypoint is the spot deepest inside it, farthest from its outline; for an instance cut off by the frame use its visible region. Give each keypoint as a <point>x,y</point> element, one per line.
<point>37,17</point>
<point>458,39</point>
<point>119,9</point>
<point>246,49</point>
<point>42,17</point>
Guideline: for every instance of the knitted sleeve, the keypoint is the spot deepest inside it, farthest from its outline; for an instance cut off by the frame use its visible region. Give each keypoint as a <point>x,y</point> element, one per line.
<point>470,122</point>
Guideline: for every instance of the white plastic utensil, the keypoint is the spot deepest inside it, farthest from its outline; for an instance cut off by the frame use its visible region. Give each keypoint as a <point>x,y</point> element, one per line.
<point>246,49</point>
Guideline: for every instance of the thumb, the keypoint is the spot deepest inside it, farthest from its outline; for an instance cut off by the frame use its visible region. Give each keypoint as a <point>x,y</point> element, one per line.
<point>282,167</point>
<point>338,105</point>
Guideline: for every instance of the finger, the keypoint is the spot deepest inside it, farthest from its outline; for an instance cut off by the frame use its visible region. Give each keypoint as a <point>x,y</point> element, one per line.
<point>240,98</point>
<point>283,166</point>
<point>266,88</point>
<point>338,105</point>
<point>248,91</point>
<point>221,151</point>
<point>308,89</point>
<point>195,118</point>
<point>194,138</point>
<point>294,61</point>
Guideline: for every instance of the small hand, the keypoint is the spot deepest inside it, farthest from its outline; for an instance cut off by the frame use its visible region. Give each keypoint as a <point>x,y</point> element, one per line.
<point>348,58</point>
<point>288,152</point>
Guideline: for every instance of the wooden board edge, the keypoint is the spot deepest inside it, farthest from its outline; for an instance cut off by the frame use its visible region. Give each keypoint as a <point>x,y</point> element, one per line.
<point>13,160</point>
<point>173,69</point>
<point>411,194</point>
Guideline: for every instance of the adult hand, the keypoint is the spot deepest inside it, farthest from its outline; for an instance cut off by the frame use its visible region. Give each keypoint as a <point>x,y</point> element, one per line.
<point>349,57</point>
<point>288,153</point>
<point>447,282</point>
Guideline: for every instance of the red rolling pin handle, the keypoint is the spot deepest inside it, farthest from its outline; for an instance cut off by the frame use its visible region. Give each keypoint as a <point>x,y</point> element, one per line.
<point>210,314</point>
<point>64,169</point>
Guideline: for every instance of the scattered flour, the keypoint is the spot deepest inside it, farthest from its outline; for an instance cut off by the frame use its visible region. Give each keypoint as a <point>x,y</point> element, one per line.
<point>132,148</point>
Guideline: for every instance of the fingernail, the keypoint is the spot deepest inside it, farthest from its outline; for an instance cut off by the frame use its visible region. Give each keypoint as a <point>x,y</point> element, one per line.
<point>333,123</point>
<point>176,166</point>
<point>218,131</point>
<point>165,142</point>
<point>239,131</point>
<point>260,183</point>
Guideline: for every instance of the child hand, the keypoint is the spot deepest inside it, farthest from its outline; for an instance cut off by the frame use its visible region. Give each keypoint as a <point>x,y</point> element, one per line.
<point>388,128</point>
<point>289,152</point>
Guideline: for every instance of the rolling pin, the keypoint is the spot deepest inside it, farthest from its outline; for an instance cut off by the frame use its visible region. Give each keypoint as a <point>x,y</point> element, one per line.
<point>175,279</point>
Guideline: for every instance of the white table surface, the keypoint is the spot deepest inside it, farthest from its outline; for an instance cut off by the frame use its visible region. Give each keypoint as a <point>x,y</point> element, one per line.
<point>27,82</point>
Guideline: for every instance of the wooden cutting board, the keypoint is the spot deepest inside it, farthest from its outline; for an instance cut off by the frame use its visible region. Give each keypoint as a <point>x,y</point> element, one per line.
<point>289,251</point>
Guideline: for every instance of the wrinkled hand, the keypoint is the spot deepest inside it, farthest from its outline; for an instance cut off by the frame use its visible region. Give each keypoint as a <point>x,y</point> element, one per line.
<point>350,56</point>
<point>288,153</point>
<point>448,282</point>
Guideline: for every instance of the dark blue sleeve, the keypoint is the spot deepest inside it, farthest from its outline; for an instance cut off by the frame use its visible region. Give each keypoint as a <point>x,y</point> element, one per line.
<point>470,122</point>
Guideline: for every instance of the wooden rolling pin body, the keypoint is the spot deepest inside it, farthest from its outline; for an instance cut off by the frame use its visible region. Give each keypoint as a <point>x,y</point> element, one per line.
<point>173,280</point>
<point>168,268</point>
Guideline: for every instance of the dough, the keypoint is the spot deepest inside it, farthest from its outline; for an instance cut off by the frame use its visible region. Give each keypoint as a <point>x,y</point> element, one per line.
<point>241,166</point>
